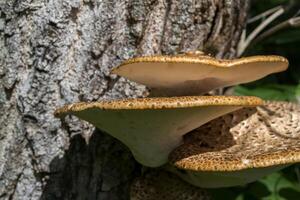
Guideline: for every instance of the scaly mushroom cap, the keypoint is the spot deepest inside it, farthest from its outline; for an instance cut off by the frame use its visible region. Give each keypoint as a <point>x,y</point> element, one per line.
<point>165,186</point>
<point>242,146</point>
<point>194,74</point>
<point>153,127</point>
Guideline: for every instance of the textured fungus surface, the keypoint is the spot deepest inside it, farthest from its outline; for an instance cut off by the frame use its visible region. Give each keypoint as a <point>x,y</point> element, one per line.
<point>165,186</point>
<point>248,138</point>
<point>197,58</point>
<point>162,103</point>
<point>195,73</point>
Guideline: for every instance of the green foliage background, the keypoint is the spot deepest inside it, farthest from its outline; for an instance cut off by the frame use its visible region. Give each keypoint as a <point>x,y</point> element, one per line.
<point>283,185</point>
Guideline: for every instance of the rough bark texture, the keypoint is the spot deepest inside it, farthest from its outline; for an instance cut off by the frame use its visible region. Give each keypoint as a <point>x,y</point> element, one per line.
<point>56,52</point>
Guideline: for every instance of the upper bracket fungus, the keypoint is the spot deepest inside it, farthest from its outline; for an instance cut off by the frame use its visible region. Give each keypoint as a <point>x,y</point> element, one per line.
<point>240,147</point>
<point>160,185</point>
<point>195,73</point>
<point>153,127</point>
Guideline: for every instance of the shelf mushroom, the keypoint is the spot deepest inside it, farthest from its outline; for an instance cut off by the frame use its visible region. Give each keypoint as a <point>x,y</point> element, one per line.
<point>160,185</point>
<point>240,147</point>
<point>194,73</point>
<point>153,127</point>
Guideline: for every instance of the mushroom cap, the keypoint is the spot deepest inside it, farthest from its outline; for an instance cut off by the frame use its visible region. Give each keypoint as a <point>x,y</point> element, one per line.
<point>153,127</point>
<point>257,140</point>
<point>165,186</point>
<point>194,74</point>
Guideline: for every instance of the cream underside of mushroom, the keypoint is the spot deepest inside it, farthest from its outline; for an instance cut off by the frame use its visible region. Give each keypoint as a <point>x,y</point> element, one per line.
<point>162,129</point>
<point>183,78</point>
<point>225,179</point>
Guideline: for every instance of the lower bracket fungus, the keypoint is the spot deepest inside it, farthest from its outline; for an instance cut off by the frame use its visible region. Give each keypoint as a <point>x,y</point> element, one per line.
<point>160,185</point>
<point>240,147</point>
<point>153,127</point>
<point>194,73</point>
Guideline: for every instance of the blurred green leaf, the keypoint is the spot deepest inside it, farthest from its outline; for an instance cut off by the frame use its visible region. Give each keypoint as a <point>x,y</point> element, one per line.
<point>273,187</point>
<point>269,92</point>
<point>298,92</point>
<point>280,187</point>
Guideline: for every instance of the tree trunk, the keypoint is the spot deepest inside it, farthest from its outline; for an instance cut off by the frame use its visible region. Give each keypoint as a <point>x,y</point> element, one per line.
<point>57,52</point>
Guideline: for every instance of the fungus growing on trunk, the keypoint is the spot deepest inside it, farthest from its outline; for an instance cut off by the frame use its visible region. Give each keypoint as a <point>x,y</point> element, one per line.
<point>160,185</point>
<point>153,127</point>
<point>240,147</point>
<point>194,73</point>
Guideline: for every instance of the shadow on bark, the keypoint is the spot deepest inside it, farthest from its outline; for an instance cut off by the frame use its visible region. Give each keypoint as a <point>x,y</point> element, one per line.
<point>103,169</point>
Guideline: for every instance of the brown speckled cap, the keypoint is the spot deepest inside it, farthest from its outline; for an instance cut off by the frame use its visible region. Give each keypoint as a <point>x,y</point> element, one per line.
<point>259,137</point>
<point>165,186</point>
<point>153,127</point>
<point>194,74</point>
<point>161,103</point>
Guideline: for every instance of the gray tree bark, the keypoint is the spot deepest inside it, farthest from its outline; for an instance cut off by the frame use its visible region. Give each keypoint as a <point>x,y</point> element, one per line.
<point>57,52</point>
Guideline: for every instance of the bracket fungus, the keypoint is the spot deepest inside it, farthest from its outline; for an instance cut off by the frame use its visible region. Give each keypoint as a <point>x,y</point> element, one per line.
<point>165,186</point>
<point>153,127</point>
<point>240,147</point>
<point>204,145</point>
<point>194,73</point>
